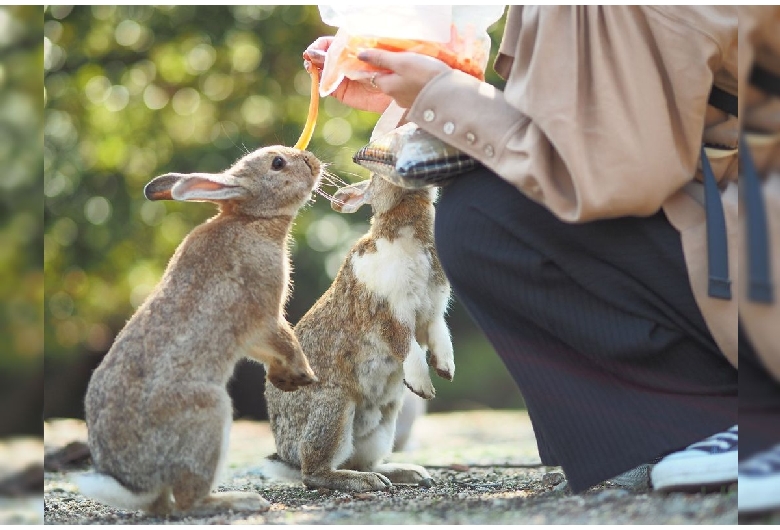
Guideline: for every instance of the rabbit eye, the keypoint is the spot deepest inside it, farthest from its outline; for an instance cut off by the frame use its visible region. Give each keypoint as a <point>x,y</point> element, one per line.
<point>278,163</point>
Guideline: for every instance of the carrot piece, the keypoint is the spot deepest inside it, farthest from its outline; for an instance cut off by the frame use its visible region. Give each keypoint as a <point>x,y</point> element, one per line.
<point>314,105</point>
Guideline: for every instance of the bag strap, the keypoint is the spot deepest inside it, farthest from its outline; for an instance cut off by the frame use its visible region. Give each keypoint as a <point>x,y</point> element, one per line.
<point>760,288</point>
<point>717,242</point>
<point>719,285</point>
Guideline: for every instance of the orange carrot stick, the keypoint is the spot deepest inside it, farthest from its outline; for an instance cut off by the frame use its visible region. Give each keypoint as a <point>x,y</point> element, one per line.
<point>314,105</point>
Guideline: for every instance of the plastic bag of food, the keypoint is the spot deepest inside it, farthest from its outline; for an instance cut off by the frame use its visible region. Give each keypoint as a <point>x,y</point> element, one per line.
<point>411,157</point>
<point>456,35</point>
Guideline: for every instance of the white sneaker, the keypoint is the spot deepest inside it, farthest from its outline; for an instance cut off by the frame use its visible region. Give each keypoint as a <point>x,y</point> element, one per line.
<point>711,462</point>
<point>759,482</point>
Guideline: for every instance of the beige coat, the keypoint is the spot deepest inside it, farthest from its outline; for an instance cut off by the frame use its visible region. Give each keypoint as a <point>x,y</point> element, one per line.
<point>602,116</point>
<point>759,43</point>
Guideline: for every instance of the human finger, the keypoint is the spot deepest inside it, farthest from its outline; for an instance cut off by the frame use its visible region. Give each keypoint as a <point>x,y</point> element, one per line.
<point>308,66</point>
<point>381,59</point>
<point>316,51</point>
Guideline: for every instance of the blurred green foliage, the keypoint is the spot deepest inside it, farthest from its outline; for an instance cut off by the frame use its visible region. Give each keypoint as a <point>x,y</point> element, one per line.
<point>132,92</point>
<point>21,286</point>
<point>21,222</point>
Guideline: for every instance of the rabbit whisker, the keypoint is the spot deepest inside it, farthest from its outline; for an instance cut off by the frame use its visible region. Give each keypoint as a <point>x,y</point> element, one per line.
<point>328,179</point>
<point>334,177</point>
<point>357,176</point>
<point>325,195</point>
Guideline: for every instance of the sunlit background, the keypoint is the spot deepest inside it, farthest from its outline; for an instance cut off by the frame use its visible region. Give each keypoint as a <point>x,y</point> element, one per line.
<point>132,92</point>
<point>21,220</point>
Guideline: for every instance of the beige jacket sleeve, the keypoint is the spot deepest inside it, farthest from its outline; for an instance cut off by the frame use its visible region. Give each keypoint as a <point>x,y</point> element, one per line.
<point>603,110</point>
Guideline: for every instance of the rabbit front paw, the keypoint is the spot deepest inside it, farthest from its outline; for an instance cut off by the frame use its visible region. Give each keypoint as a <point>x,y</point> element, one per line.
<point>425,390</point>
<point>289,381</point>
<point>442,355</point>
<point>444,365</point>
<point>416,375</point>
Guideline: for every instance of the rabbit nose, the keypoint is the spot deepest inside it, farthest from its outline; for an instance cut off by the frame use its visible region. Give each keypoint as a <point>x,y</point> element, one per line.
<point>312,162</point>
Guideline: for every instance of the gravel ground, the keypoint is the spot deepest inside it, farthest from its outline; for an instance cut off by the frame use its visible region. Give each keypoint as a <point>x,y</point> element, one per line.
<point>484,464</point>
<point>487,495</point>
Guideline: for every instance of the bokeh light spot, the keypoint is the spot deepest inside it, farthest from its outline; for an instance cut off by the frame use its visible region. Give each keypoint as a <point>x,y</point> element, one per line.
<point>337,131</point>
<point>246,57</point>
<point>186,101</point>
<point>218,86</point>
<point>64,231</point>
<point>97,210</point>
<point>152,213</point>
<point>97,89</point>
<point>257,110</point>
<point>155,97</point>
<point>118,98</point>
<point>325,233</point>
<point>127,33</point>
<point>61,305</point>
<point>201,58</point>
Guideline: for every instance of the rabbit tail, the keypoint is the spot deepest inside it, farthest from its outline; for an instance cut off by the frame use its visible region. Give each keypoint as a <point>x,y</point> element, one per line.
<point>108,490</point>
<point>274,467</point>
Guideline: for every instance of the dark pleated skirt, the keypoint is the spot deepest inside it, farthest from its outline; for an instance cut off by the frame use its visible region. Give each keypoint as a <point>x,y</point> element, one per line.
<point>596,322</point>
<point>759,403</point>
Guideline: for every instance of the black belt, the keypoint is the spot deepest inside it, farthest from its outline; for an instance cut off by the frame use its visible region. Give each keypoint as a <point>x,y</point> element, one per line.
<point>765,80</point>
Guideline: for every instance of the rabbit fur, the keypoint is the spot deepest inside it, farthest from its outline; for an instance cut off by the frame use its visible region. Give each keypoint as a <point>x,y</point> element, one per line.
<point>157,409</point>
<point>365,337</point>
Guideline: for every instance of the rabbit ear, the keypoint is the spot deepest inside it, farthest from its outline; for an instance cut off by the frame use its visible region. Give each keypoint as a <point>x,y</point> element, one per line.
<point>159,189</point>
<point>207,187</point>
<point>350,198</point>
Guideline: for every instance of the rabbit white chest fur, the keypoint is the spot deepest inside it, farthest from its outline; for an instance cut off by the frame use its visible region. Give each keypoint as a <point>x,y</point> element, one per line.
<point>401,271</point>
<point>365,337</point>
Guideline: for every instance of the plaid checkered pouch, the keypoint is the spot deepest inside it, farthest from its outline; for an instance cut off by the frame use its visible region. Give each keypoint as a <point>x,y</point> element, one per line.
<point>413,158</point>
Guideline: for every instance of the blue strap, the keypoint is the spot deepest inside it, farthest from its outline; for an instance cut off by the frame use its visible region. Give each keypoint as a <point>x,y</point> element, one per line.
<point>759,277</point>
<point>717,242</point>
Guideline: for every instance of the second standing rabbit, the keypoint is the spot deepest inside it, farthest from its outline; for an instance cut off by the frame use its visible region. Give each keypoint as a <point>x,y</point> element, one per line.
<point>365,338</point>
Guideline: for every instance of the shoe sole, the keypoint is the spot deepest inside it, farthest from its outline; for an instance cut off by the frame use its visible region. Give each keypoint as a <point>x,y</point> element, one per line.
<point>694,473</point>
<point>757,496</point>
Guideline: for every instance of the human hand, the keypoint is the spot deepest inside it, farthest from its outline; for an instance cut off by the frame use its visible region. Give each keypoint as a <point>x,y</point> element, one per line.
<point>408,73</point>
<point>356,94</point>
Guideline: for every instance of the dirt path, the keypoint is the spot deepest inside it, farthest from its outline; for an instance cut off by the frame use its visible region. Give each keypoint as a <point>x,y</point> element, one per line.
<point>485,465</point>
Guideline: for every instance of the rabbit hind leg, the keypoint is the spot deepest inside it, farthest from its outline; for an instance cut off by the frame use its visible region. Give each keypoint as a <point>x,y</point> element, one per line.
<point>223,501</point>
<point>328,443</point>
<point>405,474</point>
<point>376,446</point>
<point>193,496</point>
<point>204,439</point>
<point>164,504</point>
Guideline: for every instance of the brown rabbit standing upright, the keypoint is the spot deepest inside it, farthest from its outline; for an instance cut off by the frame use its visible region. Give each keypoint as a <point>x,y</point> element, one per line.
<point>157,409</point>
<point>365,338</point>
